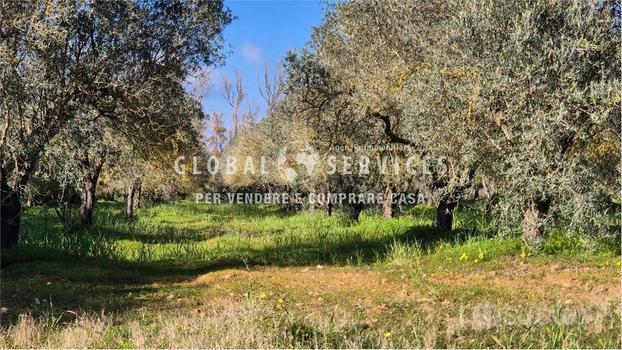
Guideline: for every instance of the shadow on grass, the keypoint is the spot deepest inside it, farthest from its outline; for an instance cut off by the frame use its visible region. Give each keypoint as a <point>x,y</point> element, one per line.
<point>351,249</point>
<point>155,224</point>
<point>37,271</point>
<point>43,280</point>
<point>48,282</point>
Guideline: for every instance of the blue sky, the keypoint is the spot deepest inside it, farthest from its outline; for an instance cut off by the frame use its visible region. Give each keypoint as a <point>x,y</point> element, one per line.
<point>262,33</point>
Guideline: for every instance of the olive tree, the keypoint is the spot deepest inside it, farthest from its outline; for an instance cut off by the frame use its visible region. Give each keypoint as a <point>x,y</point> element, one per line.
<point>543,111</point>
<point>370,51</point>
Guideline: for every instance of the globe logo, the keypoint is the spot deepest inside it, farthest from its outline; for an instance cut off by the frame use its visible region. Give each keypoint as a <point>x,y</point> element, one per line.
<point>305,159</point>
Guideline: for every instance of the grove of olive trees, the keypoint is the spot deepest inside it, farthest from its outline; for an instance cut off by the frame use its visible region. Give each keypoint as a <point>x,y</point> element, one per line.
<point>98,68</point>
<point>521,99</point>
<point>301,174</point>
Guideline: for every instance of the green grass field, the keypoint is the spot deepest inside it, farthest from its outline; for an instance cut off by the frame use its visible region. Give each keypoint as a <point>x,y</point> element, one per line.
<point>189,275</point>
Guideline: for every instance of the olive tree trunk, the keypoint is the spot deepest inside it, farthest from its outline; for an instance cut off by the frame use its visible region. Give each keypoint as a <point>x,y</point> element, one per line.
<point>328,206</point>
<point>387,204</point>
<point>10,199</point>
<point>445,213</point>
<point>534,214</point>
<point>10,214</point>
<point>356,211</point>
<point>133,198</point>
<point>137,192</point>
<point>87,197</point>
<point>87,202</point>
<point>129,211</point>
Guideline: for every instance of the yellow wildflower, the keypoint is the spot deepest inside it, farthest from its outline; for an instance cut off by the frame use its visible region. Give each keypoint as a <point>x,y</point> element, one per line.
<point>280,301</point>
<point>387,334</point>
<point>523,255</point>
<point>263,295</point>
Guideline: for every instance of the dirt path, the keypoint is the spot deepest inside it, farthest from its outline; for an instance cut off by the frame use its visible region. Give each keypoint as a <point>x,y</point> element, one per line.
<point>378,291</point>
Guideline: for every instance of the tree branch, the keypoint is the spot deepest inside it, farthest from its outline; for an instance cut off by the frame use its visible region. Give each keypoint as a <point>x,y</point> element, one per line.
<point>393,137</point>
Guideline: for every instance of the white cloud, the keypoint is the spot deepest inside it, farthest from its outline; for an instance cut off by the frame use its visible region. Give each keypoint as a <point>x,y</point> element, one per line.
<point>252,52</point>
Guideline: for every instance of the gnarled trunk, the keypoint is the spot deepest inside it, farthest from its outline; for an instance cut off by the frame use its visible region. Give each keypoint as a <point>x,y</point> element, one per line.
<point>10,214</point>
<point>10,200</point>
<point>328,208</point>
<point>356,211</point>
<point>137,192</point>
<point>445,213</point>
<point>449,201</point>
<point>133,196</point>
<point>534,214</point>
<point>387,204</point>
<point>87,201</point>
<point>87,197</point>
<point>129,211</point>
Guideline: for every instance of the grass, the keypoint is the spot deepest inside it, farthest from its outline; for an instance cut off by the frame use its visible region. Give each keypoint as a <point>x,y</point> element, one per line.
<point>192,275</point>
